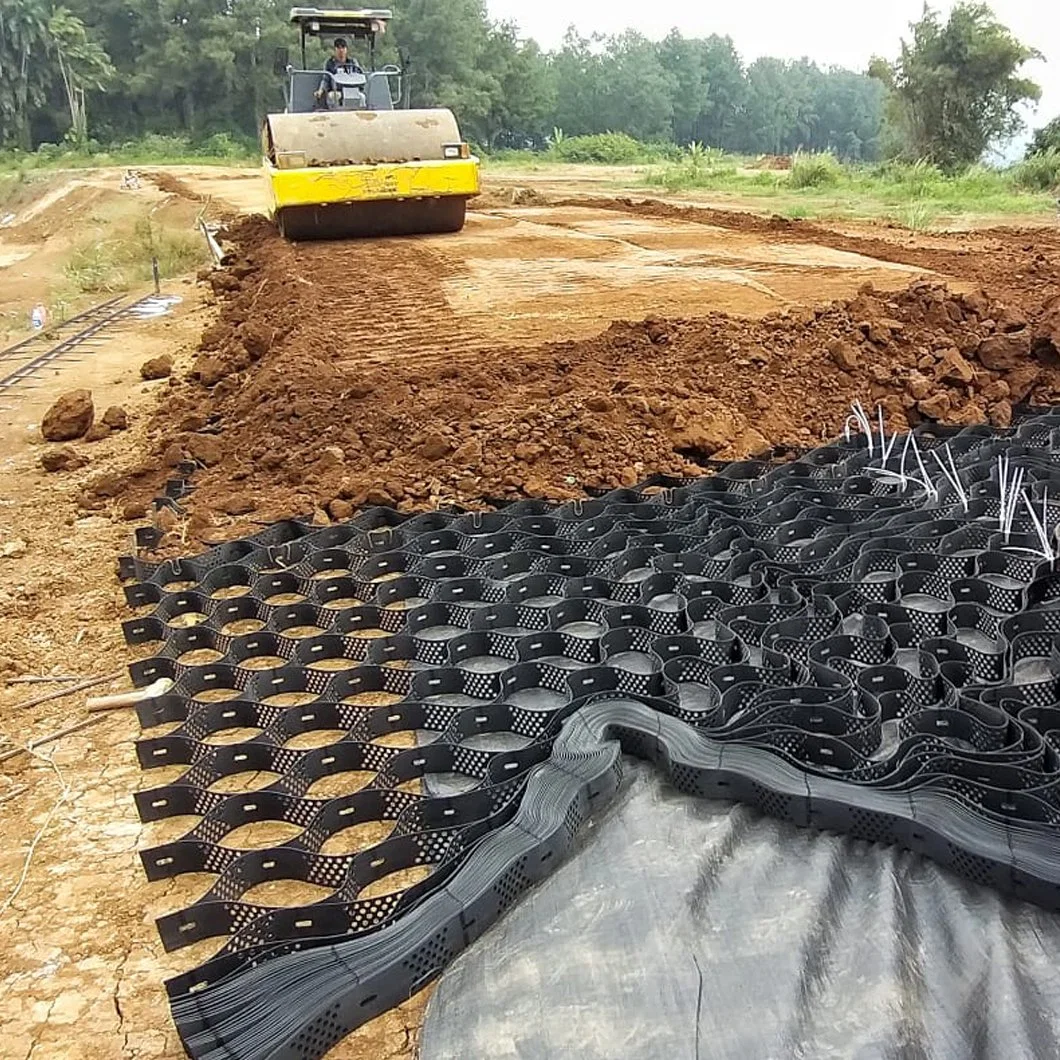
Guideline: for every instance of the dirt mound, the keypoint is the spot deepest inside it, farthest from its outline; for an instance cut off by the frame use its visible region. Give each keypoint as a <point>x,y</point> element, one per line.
<point>61,208</point>
<point>284,419</point>
<point>776,162</point>
<point>501,197</point>
<point>173,185</point>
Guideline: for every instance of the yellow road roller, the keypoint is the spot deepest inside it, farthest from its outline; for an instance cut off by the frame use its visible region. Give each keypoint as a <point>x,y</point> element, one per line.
<point>345,160</point>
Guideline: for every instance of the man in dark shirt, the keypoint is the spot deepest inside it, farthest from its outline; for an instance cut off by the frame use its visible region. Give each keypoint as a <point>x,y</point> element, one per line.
<point>339,63</point>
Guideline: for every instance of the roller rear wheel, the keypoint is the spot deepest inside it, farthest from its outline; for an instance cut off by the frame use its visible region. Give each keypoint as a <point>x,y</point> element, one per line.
<point>359,220</point>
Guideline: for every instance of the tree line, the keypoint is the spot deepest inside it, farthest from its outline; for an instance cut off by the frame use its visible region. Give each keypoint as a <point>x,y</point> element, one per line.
<point>116,70</point>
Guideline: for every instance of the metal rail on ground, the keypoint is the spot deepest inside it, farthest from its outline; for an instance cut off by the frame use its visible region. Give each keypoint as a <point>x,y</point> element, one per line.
<point>43,338</point>
<point>99,319</point>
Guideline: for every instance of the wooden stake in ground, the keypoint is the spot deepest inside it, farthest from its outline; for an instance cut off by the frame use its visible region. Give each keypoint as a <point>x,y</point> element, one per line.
<point>129,699</point>
<point>35,679</point>
<point>73,689</point>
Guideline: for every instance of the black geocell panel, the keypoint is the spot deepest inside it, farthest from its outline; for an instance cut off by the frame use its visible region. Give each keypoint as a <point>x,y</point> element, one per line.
<point>811,639</point>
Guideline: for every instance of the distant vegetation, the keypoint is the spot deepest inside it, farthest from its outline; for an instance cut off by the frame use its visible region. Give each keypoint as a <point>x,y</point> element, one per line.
<point>129,82</point>
<point>809,184</point>
<point>171,78</point>
<point>913,194</point>
<point>715,169</point>
<point>220,148</point>
<point>805,185</point>
<point>1045,139</point>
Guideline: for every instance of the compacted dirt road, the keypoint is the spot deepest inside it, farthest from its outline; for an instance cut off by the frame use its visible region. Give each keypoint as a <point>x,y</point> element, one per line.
<point>486,365</point>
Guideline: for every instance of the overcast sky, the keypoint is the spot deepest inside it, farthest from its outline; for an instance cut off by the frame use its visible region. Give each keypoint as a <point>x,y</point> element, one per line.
<point>839,32</point>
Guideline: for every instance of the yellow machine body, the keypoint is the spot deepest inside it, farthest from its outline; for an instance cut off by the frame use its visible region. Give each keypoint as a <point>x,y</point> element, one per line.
<point>372,173</point>
<point>364,183</point>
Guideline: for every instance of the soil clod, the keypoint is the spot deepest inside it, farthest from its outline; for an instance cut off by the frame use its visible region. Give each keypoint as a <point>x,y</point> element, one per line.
<point>69,418</point>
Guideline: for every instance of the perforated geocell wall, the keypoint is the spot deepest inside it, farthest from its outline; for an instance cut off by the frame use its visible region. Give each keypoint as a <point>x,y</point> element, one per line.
<point>822,641</point>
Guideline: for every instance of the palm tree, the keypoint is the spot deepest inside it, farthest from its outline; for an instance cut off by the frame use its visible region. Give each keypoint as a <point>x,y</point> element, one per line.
<point>39,47</point>
<point>25,71</point>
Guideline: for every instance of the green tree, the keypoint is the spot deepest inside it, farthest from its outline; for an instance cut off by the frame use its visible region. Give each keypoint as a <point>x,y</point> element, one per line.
<point>522,89</point>
<point>779,108</point>
<point>849,114</point>
<point>44,50</point>
<point>616,84</point>
<point>440,48</point>
<point>639,97</point>
<point>83,66</point>
<point>580,85</point>
<point>195,67</point>
<point>957,86</point>
<point>684,60</point>
<point>1047,138</point>
<point>723,109</point>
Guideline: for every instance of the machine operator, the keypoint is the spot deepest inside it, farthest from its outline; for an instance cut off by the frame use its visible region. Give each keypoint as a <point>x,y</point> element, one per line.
<point>338,63</point>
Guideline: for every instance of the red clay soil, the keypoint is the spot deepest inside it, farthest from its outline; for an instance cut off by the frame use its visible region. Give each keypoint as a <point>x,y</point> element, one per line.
<point>173,185</point>
<point>286,420</point>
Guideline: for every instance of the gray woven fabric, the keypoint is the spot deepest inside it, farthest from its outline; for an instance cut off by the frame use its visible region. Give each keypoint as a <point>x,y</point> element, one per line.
<point>702,930</point>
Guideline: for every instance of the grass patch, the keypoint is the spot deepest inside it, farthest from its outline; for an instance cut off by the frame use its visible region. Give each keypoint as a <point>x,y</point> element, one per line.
<point>219,149</point>
<point>16,188</point>
<point>109,266</point>
<point>915,194</point>
<point>602,149</point>
<point>917,216</point>
<point>8,186</point>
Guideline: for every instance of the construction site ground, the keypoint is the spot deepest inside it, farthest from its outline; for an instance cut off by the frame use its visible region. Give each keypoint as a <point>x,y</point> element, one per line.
<point>452,369</point>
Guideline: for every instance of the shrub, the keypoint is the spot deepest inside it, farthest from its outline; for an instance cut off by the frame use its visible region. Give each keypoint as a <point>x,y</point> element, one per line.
<point>916,216</point>
<point>1040,172</point>
<point>156,147</point>
<point>664,152</point>
<point>766,179</point>
<point>915,177</point>
<point>50,152</point>
<point>608,148</point>
<point>225,145</point>
<point>107,266</point>
<point>815,171</point>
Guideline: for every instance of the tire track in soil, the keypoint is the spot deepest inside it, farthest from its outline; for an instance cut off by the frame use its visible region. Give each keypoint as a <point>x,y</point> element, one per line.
<point>403,312</point>
<point>1009,260</point>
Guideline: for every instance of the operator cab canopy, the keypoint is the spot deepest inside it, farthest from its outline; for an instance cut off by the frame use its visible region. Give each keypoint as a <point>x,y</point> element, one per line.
<point>361,24</point>
<point>356,24</point>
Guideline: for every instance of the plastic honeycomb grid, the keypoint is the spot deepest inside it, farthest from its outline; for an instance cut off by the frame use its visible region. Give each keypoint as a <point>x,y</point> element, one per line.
<point>829,645</point>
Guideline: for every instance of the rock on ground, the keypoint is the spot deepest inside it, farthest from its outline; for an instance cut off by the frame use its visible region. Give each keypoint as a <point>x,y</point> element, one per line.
<point>157,367</point>
<point>66,458</point>
<point>69,418</point>
<point>116,418</point>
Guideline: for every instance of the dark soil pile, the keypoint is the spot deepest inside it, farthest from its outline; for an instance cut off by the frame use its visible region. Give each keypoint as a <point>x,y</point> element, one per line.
<point>284,420</point>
